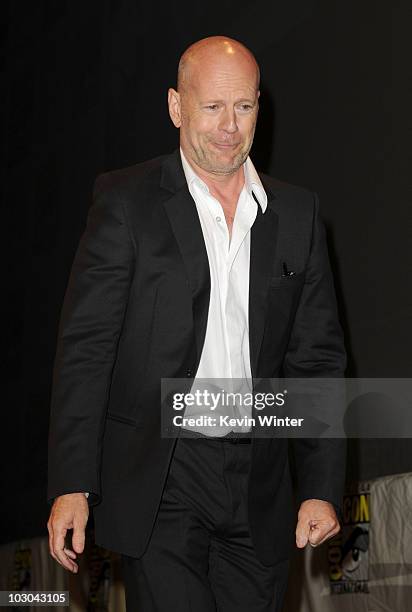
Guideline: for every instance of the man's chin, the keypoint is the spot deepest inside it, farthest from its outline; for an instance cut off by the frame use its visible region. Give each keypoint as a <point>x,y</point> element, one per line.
<point>226,164</point>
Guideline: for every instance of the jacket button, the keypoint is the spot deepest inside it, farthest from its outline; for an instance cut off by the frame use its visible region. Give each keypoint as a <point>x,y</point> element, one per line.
<point>189,373</point>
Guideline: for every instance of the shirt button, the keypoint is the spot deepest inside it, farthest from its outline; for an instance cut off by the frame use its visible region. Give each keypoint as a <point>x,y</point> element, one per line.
<point>218,219</point>
<point>189,373</point>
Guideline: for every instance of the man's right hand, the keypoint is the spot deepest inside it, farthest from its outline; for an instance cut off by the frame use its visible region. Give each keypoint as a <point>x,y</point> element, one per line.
<point>69,511</point>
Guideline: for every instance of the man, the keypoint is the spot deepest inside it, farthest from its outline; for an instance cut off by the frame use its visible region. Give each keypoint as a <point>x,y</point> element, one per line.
<point>193,266</point>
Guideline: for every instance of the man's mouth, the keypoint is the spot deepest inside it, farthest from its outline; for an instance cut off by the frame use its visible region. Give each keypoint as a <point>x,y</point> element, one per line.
<point>225,145</point>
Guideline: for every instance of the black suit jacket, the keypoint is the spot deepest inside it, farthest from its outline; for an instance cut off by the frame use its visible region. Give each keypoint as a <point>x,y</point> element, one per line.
<point>136,310</point>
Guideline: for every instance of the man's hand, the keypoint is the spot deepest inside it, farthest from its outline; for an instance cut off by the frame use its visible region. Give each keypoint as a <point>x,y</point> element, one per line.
<point>317,522</point>
<point>69,511</point>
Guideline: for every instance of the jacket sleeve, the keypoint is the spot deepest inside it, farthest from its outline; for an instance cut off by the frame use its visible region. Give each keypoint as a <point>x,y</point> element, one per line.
<point>88,335</point>
<point>316,349</point>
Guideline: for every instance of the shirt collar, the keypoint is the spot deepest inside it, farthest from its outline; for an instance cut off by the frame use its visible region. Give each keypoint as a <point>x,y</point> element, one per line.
<point>253,183</point>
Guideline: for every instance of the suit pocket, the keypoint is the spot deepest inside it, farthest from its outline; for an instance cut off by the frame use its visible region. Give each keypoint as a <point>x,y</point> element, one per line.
<point>119,418</point>
<point>120,452</point>
<point>287,281</point>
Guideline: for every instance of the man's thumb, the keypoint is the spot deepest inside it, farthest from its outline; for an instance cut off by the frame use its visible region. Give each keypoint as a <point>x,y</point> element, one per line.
<point>78,537</point>
<point>302,534</point>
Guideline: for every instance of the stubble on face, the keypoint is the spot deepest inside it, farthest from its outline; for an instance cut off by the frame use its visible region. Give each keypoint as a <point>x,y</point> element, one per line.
<point>203,153</point>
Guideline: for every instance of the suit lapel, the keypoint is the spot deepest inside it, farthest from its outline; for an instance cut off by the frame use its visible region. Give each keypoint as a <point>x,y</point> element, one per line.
<point>263,240</point>
<point>184,220</point>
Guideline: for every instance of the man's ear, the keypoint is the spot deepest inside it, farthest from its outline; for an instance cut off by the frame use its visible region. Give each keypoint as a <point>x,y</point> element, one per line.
<point>173,99</point>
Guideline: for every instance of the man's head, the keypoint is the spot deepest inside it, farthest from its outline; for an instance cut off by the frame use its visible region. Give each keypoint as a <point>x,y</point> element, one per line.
<point>216,103</point>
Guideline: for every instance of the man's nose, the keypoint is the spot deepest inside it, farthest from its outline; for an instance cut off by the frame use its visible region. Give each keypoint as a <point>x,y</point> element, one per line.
<point>228,121</point>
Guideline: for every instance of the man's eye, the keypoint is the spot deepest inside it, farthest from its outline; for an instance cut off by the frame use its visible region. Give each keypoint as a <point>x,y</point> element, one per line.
<point>246,107</point>
<point>212,106</point>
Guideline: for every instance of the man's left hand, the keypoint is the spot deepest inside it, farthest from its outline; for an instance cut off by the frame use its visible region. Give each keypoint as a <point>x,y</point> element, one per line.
<point>317,522</point>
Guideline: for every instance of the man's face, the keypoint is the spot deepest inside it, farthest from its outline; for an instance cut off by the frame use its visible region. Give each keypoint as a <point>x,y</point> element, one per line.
<point>218,112</point>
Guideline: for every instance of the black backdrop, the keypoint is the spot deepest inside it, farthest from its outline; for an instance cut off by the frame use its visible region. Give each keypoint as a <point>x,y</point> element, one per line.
<point>85,91</point>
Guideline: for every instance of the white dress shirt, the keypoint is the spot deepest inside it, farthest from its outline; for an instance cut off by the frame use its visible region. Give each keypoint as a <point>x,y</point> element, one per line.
<point>225,356</point>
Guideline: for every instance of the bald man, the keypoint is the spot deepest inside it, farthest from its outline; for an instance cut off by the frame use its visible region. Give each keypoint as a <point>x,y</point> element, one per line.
<point>194,266</point>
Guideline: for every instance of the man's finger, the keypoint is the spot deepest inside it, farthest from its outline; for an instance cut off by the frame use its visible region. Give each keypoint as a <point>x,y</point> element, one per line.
<point>51,541</point>
<point>50,529</point>
<point>70,553</point>
<point>321,532</point>
<point>65,561</point>
<point>59,551</point>
<point>78,537</point>
<point>302,533</point>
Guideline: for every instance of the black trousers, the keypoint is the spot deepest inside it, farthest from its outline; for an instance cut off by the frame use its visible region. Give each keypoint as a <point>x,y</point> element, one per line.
<point>200,557</point>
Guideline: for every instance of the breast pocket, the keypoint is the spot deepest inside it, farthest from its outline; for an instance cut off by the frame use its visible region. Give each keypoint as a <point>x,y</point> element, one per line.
<point>293,281</point>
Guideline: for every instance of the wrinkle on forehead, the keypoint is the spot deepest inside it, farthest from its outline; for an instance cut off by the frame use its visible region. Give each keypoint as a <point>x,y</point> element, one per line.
<point>213,83</point>
<point>219,58</point>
